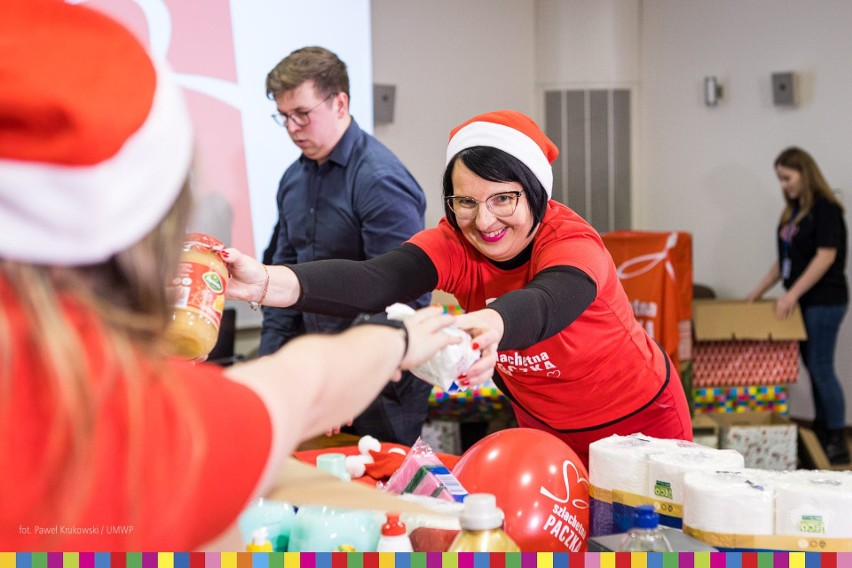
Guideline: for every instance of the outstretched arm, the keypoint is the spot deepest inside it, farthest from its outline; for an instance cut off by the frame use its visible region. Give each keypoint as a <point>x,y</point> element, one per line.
<point>549,303</point>
<point>334,287</point>
<point>316,382</point>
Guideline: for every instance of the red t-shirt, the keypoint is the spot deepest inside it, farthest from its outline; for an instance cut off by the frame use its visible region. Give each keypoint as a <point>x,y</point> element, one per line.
<point>600,368</point>
<point>170,461</point>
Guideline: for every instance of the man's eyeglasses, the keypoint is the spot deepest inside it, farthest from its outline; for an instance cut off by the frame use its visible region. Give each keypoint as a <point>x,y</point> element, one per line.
<point>500,204</point>
<point>299,117</point>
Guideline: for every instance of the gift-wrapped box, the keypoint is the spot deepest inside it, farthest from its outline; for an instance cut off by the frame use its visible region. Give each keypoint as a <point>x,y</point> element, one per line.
<point>742,343</point>
<point>766,440</point>
<point>477,404</point>
<point>765,398</point>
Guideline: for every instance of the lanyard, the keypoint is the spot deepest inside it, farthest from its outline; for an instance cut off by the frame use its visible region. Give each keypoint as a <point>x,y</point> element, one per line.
<point>788,231</point>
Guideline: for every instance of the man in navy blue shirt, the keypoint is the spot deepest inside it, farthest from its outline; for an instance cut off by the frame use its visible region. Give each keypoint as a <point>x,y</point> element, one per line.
<point>347,197</point>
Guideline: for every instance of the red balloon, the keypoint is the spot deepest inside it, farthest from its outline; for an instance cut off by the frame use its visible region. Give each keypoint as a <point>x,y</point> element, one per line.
<point>540,484</point>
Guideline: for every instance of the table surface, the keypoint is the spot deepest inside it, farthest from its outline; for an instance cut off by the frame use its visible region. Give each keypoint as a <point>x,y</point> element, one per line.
<point>322,442</point>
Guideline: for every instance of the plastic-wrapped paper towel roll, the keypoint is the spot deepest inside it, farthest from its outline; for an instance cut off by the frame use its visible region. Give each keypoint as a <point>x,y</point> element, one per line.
<point>729,502</point>
<point>666,470</point>
<point>814,504</point>
<point>621,462</point>
<point>618,463</point>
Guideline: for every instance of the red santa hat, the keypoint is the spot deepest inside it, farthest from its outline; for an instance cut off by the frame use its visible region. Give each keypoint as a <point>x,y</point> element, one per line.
<point>513,132</point>
<point>95,138</point>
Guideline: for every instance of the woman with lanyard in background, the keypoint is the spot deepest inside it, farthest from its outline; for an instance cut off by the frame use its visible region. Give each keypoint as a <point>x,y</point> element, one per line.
<point>811,262</point>
<point>571,356</point>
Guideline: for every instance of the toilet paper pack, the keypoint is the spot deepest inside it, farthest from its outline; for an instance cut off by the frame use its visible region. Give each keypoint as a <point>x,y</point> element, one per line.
<point>618,478</point>
<point>756,510</point>
<point>666,471</point>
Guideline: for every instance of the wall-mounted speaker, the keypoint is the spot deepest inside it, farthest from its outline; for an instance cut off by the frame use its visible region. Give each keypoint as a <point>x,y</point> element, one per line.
<point>384,98</point>
<point>784,89</point>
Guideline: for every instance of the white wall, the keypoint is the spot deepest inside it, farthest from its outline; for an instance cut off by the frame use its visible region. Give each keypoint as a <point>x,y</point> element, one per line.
<point>709,170</point>
<point>450,60</point>
<point>586,43</point>
<point>703,170</point>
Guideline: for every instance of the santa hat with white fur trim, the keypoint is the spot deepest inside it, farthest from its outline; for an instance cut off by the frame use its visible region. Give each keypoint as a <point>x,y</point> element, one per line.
<point>513,132</point>
<point>95,139</point>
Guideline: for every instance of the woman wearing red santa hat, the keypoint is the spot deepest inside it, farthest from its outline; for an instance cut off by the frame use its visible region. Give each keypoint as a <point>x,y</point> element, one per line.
<point>572,358</point>
<point>106,443</point>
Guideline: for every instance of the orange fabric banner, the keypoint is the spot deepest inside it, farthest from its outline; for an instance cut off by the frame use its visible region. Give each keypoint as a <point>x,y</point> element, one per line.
<point>655,269</point>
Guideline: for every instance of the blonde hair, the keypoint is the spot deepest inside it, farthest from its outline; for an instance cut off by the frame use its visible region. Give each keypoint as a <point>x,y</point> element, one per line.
<point>813,184</point>
<point>125,298</point>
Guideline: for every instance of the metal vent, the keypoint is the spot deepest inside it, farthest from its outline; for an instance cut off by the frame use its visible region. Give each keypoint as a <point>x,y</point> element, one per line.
<point>592,174</point>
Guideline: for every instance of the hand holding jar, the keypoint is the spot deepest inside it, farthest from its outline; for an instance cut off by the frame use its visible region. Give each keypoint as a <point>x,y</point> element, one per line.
<point>200,297</point>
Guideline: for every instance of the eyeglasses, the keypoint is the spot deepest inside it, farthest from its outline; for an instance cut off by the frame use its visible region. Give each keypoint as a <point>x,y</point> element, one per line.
<point>299,117</point>
<point>500,204</point>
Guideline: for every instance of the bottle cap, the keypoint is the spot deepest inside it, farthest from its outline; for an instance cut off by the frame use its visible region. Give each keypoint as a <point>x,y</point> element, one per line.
<point>260,536</point>
<point>645,517</point>
<point>481,512</point>
<point>393,526</point>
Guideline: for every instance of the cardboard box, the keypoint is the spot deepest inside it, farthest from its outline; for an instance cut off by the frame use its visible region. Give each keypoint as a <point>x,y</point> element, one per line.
<point>738,319</point>
<point>766,440</point>
<point>742,343</point>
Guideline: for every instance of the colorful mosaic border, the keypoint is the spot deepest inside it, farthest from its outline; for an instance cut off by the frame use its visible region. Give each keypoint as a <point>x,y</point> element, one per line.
<point>425,560</point>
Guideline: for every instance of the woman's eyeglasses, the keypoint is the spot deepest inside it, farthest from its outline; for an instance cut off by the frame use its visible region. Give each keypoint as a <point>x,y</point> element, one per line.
<point>500,204</point>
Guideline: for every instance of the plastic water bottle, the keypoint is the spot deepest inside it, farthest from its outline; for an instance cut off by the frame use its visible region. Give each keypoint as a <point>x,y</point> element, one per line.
<point>646,535</point>
<point>482,527</point>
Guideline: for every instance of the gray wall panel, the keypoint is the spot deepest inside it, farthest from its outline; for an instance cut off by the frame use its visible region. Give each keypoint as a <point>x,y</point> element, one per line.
<point>592,174</point>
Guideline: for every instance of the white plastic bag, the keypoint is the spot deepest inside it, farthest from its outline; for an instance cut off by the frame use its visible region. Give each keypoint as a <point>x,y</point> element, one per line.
<point>447,364</point>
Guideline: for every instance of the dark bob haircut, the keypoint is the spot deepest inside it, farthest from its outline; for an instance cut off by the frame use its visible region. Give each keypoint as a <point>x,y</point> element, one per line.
<point>496,165</point>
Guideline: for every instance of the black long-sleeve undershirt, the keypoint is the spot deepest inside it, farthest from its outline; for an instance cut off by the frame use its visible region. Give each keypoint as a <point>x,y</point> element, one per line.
<point>551,301</point>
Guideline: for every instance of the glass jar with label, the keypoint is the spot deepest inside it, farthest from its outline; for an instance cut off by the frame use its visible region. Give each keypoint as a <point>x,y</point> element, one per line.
<point>200,297</point>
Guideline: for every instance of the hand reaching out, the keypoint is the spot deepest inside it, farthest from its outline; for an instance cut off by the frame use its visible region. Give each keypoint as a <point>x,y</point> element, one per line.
<point>248,276</point>
<point>424,339</point>
<point>486,329</point>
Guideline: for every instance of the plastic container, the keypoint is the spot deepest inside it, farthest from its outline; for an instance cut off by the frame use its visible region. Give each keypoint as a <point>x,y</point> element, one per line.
<point>482,527</point>
<point>646,535</point>
<point>394,537</point>
<point>200,287</point>
<point>276,517</point>
<point>326,529</point>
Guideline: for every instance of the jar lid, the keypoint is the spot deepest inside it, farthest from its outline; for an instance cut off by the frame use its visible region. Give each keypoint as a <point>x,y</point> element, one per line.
<point>202,242</point>
<point>481,512</point>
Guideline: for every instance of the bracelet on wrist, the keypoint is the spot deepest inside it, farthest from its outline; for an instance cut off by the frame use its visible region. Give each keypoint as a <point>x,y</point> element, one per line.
<point>255,306</point>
